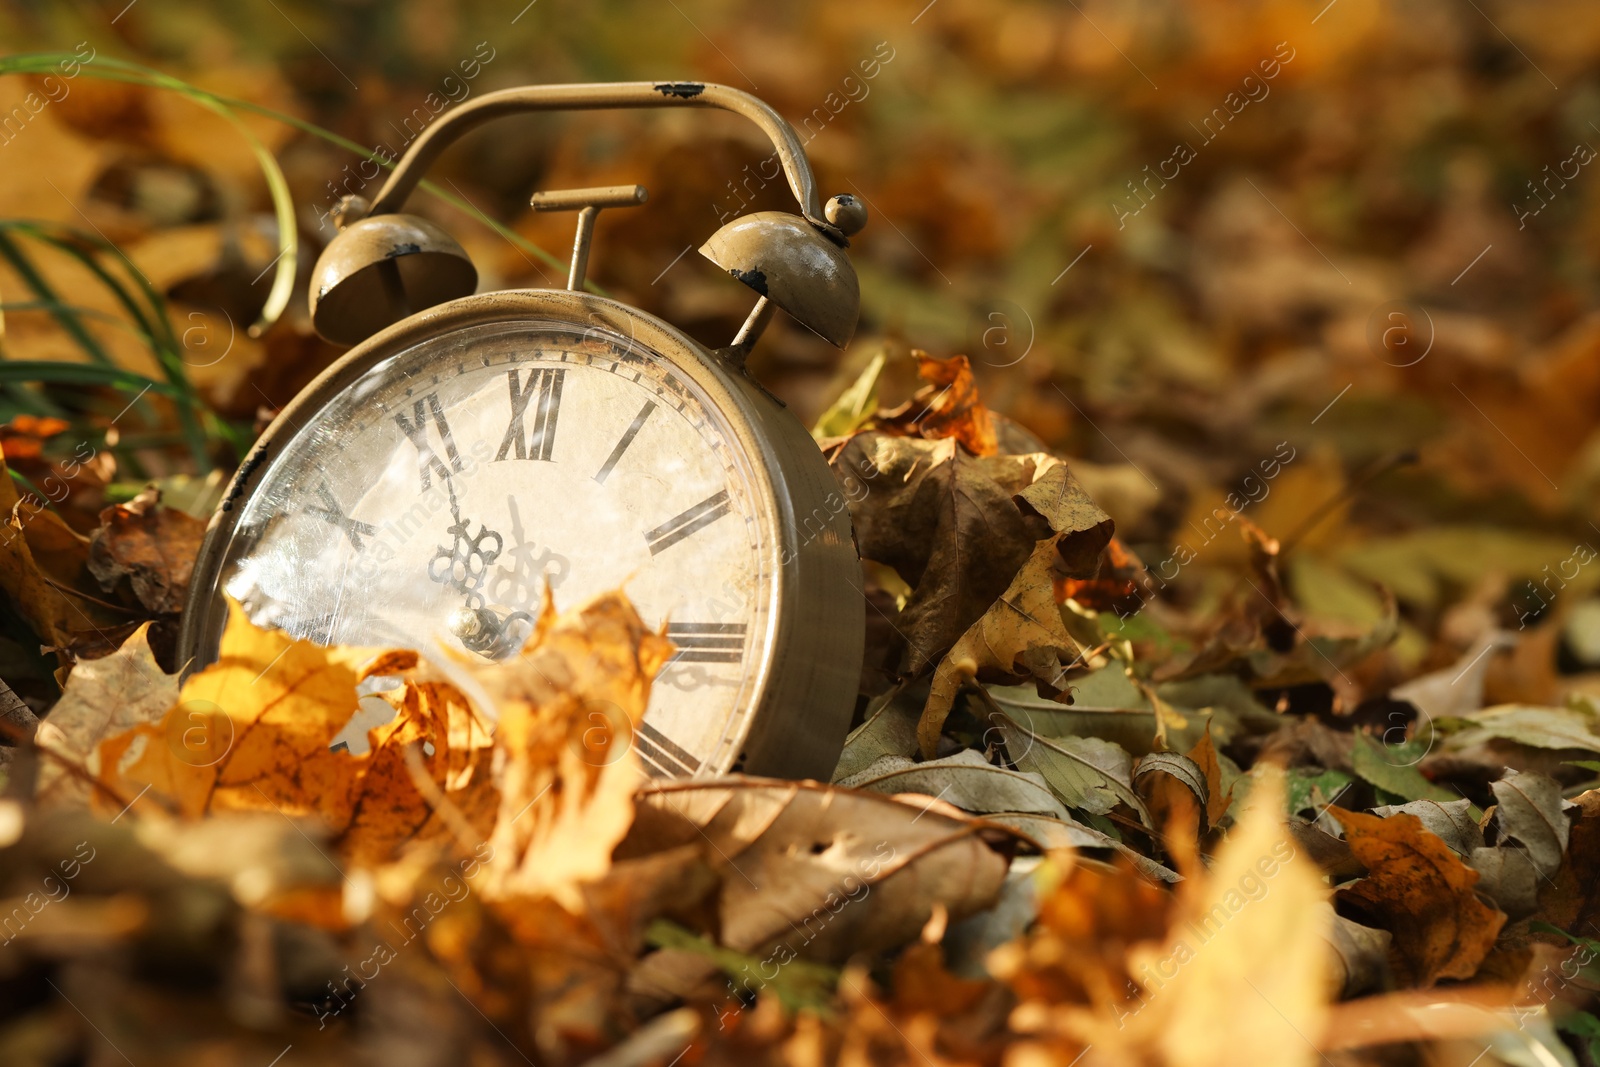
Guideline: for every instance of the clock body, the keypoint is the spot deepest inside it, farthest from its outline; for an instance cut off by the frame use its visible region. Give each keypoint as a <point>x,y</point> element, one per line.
<point>458,464</point>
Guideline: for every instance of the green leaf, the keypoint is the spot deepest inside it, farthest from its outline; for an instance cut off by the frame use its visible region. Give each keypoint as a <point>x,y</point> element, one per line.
<point>1392,768</point>
<point>965,779</point>
<point>1085,772</point>
<point>1584,1027</point>
<point>1574,726</point>
<point>1311,789</point>
<point>855,405</point>
<point>799,984</point>
<point>890,729</point>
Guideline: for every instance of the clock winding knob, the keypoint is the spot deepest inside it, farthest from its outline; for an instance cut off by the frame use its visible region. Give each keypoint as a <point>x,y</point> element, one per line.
<point>846,212</point>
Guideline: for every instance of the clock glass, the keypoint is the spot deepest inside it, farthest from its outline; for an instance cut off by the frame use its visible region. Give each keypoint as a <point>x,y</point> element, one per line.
<point>434,501</point>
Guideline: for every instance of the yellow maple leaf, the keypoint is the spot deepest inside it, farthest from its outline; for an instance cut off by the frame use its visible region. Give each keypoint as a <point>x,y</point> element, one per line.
<point>252,732</point>
<point>568,704</point>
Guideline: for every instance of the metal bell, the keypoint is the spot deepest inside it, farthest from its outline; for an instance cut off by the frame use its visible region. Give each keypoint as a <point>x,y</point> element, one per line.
<point>795,266</point>
<point>380,270</point>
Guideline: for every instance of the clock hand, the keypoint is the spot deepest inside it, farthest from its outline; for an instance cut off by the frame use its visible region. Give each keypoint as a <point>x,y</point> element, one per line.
<point>463,567</point>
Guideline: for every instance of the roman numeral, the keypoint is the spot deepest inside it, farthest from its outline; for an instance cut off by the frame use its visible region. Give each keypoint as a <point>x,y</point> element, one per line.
<point>627,439</point>
<point>690,522</point>
<point>663,757</point>
<point>546,383</point>
<point>416,428</point>
<point>707,642</point>
<point>330,510</point>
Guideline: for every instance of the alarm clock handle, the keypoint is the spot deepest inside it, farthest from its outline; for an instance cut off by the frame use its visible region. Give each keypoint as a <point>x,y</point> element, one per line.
<point>605,96</point>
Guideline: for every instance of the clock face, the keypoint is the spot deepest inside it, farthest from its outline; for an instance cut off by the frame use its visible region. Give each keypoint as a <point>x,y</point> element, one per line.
<point>456,481</point>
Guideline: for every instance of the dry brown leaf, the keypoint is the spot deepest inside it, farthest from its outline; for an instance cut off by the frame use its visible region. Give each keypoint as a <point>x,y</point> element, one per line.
<point>68,470</point>
<point>1423,894</point>
<point>152,546</point>
<point>1204,753</point>
<point>957,529</point>
<point>1115,584</point>
<point>103,697</point>
<point>946,523</point>
<point>44,570</point>
<point>813,871</point>
<point>436,732</point>
<point>1022,634</point>
<point>1571,899</point>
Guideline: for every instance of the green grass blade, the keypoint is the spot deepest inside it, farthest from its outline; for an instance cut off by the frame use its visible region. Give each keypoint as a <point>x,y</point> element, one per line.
<point>121,70</point>
<point>24,371</point>
<point>66,318</point>
<point>277,185</point>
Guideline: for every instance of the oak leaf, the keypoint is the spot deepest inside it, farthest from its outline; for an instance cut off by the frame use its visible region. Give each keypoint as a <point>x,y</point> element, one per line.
<point>1423,894</point>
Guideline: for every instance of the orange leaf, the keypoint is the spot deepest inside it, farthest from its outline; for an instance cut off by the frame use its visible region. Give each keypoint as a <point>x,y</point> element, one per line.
<point>251,732</point>
<point>948,406</point>
<point>568,705</point>
<point>1421,892</point>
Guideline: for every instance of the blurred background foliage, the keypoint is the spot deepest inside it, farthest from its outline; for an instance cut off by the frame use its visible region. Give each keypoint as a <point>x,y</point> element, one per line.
<point>1337,164</point>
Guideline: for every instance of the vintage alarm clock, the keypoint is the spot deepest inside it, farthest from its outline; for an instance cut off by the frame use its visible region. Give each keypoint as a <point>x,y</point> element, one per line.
<point>472,451</point>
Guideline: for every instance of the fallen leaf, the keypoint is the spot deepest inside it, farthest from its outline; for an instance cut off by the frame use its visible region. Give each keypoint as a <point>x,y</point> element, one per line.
<point>1575,726</point>
<point>152,546</point>
<point>1258,954</point>
<point>1571,898</point>
<point>1394,771</point>
<point>1450,820</point>
<point>1241,943</point>
<point>1530,811</point>
<point>813,871</point>
<point>957,528</point>
<point>855,405</point>
<point>947,524</point>
<point>252,732</point>
<point>1360,954</point>
<point>947,407</point>
<point>44,570</point>
<point>1050,833</point>
<point>1170,784</point>
<point>890,729</point>
<point>1423,894</point>
<point>567,707</point>
<point>1457,689</point>
<point>965,779</point>
<point>1508,878</point>
<point>1021,634</point>
<point>1085,772</point>
<point>104,697</point>
<point>1204,755</point>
